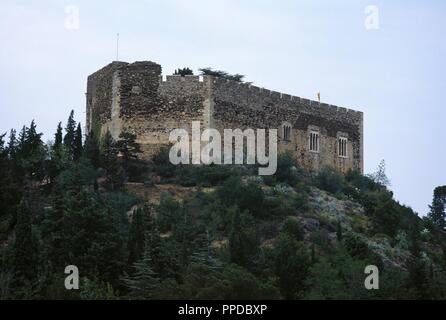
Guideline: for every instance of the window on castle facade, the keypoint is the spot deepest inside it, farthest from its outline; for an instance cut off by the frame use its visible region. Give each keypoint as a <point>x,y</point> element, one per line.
<point>314,141</point>
<point>287,133</point>
<point>342,147</point>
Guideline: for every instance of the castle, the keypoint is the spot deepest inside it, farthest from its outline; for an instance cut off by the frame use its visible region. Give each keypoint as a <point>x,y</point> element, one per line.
<point>134,97</point>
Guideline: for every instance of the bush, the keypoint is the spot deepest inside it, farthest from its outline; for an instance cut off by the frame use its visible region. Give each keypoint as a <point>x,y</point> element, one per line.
<point>293,228</point>
<point>161,163</point>
<point>386,216</point>
<point>355,246</point>
<point>330,180</point>
<point>206,175</point>
<point>168,213</point>
<point>248,196</point>
<point>288,170</point>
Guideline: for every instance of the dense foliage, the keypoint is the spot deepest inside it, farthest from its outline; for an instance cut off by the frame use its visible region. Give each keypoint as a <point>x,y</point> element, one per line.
<point>229,234</point>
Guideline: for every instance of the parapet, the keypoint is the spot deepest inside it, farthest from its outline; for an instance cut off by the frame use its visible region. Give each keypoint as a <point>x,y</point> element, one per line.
<point>255,93</point>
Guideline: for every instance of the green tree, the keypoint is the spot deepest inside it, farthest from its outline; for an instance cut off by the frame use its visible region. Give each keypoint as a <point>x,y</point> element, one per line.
<point>32,153</point>
<point>91,236</point>
<point>70,135</point>
<point>127,146</point>
<point>91,149</point>
<point>77,143</point>
<point>418,280</point>
<point>437,213</point>
<point>324,282</point>
<point>57,161</point>
<point>136,241</point>
<point>24,250</point>
<point>183,72</point>
<point>143,283</point>
<point>379,176</point>
<point>58,137</point>
<point>386,216</point>
<point>293,228</point>
<point>292,263</point>
<point>109,161</point>
<point>243,243</point>
<point>222,74</point>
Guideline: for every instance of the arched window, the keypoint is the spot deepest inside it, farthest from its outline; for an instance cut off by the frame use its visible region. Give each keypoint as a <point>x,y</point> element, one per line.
<point>342,147</point>
<point>286,132</point>
<point>314,141</point>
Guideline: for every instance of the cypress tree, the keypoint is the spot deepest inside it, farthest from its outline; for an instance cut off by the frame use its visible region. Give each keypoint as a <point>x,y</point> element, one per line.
<point>58,137</point>
<point>77,143</point>
<point>56,162</point>
<point>136,236</point>
<point>70,133</point>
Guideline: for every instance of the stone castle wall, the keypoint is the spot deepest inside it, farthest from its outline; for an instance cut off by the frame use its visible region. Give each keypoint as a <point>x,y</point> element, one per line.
<point>136,98</point>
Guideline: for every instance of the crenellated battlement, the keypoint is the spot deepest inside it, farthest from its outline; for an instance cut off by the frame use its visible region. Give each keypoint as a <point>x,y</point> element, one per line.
<point>136,97</point>
<point>260,92</point>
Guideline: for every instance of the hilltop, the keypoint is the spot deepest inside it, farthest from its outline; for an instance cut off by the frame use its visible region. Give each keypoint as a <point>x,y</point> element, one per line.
<point>150,229</point>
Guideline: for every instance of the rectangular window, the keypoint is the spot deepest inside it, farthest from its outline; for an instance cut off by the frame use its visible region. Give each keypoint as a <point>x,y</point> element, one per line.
<point>342,147</point>
<point>314,141</point>
<point>287,133</point>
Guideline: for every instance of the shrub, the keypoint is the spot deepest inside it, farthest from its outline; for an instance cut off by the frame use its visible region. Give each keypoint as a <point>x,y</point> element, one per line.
<point>288,170</point>
<point>168,213</point>
<point>355,246</point>
<point>293,228</point>
<point>161,163</point>
<point>206,175</point>
<point>386,216</point>
<point>248,197</point>
<point>330,180</point>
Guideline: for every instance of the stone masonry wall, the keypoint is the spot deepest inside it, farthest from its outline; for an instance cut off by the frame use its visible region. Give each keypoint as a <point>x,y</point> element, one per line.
<point>238,105</point>
<point>136,98</point>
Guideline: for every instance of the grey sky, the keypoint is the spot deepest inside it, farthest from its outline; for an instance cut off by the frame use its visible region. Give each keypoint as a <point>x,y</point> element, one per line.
<point>395,75</point>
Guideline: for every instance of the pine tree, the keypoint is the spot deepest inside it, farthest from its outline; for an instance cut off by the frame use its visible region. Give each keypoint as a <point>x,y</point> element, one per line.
<point>70,134</point>
<point>33,153</point>
<point>144,282</point>
<point>127,146</point>
<point>77,143</point>
<point>12,145</point>
<point>437,212</point>
<point>23,248</point>
<point>203,254</point>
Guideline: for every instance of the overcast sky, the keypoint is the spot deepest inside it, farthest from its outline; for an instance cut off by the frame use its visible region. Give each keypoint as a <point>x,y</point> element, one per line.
<point>395,74</point>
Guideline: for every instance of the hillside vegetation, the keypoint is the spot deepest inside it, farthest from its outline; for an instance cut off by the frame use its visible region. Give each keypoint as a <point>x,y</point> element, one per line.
<point>152,230</point>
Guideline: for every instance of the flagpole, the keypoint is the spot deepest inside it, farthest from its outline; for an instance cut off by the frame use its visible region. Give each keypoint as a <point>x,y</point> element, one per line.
<point>117,47</point>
